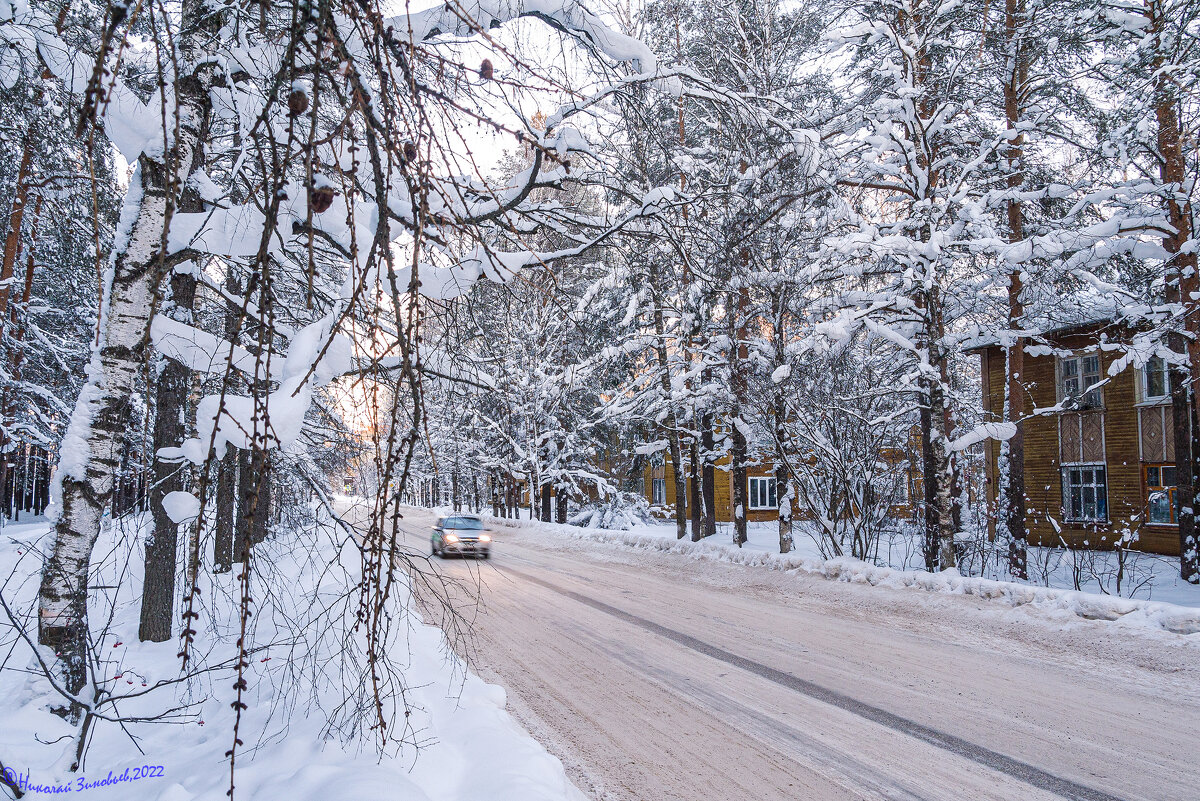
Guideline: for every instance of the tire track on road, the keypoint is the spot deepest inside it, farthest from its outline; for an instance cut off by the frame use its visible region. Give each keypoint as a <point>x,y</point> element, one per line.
<point>1023,771</point>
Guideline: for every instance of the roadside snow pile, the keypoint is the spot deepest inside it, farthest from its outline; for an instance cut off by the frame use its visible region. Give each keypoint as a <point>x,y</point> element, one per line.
<point>1134,612</point>
<point>307,726</point>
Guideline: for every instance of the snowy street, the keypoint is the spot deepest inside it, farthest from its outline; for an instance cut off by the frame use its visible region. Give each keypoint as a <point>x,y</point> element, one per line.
<point>656,677</point>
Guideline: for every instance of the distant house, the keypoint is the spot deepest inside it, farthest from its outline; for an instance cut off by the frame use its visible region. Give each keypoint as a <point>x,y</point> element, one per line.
<point>1101,461</point>
<point>763,506</point>
<point>761,491</point>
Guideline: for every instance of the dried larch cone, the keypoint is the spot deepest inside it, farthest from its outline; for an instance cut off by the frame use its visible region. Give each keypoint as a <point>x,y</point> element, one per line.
<point>320,198</point>
<point>298,102</point>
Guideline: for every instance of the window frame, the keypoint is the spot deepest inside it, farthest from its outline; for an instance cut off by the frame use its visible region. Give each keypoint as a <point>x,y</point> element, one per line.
<point>658,498</point>
<point>1144,380</point>
<point>753,494</point>
<point>1171,489</point>
<point>1083,396</point>
<point>1068,488</point>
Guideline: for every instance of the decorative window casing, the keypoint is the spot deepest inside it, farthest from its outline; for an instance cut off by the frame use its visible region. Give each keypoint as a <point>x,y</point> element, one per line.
<point>1081,438</point>
<point>762,493</point>
<point>658,491</point>
<point>1156,433</point>
<point>1085,493</point>
<point>1076,374</point>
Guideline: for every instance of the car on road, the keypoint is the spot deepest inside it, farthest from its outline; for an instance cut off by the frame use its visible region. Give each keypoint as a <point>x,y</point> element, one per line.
<point>461,534</point>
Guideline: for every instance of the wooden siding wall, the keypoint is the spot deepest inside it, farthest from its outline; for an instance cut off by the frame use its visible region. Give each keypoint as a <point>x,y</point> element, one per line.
<point>1043,464</point>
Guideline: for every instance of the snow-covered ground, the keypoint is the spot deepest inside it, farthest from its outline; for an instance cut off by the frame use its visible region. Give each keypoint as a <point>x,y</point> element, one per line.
<point>460,744</point>
<point>1163,602</point>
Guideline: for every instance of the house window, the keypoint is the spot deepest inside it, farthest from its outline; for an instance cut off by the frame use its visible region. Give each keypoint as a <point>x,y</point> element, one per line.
<point>1162,500</point>
<point>1075,375</point>
<point>762,494</point>
<point>1155,380</point>
<point>658,488</point>
<point>1085,493</point>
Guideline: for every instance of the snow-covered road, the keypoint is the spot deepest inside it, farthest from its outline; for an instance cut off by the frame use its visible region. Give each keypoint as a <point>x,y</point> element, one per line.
<point>657,677</point>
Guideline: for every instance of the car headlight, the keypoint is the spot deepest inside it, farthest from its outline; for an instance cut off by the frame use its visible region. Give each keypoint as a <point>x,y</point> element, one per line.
<point>451,538</point>
<point>485,537</point>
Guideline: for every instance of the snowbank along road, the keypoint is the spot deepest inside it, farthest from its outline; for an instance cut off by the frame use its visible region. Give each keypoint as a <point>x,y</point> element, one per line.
<point>655,677</point>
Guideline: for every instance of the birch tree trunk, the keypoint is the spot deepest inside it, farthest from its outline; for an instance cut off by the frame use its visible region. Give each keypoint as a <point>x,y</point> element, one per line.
<point>91,447</point>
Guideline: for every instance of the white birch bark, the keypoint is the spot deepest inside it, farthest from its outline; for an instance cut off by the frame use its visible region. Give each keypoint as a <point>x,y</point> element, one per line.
<point>91,449</point>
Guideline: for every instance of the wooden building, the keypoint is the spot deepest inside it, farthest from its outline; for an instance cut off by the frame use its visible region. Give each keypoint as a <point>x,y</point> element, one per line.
<point>763,506</point>
<point>1099,448</point>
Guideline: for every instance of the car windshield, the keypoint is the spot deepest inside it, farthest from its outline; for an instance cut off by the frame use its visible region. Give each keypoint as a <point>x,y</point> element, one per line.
<point>463,523</point>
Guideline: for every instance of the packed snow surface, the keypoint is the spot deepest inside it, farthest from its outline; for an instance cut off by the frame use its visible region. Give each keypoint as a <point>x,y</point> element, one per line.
<point>461,744</point>
<point>1175,606</point>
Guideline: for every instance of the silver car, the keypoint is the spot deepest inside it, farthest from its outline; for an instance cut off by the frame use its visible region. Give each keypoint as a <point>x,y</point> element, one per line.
<point>461,534</point>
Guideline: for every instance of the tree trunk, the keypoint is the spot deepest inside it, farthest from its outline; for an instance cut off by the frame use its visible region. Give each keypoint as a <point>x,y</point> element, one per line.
<point>170,429</point>
<point>12,247</point>
<point>242,536</point>
<point>226,504</point>
<point>261,503</point>
<point>929,482</point>
<point>560,505</point>
<point>1182,286</point>
<point>708,473</point>
<point>943,474</point>
<point>783,492</point>
<point>738,356</point>
<point>694,491</point>
<point>739,454</point>
<point>12,239</point>
<point>783,487</point>
<point>227,467</point>
<point>1012,467</point>
<point>670,424</point>
<point>545,503</point>
<point>92,443</point>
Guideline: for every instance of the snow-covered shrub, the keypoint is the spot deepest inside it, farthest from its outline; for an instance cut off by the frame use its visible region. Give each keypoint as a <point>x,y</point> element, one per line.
<point>621,511</point>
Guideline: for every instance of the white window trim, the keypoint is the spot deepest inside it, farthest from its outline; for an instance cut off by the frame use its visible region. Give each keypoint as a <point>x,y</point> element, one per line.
<point>654,485</point>
<point>750,492</point>
<point>1145,399</point>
